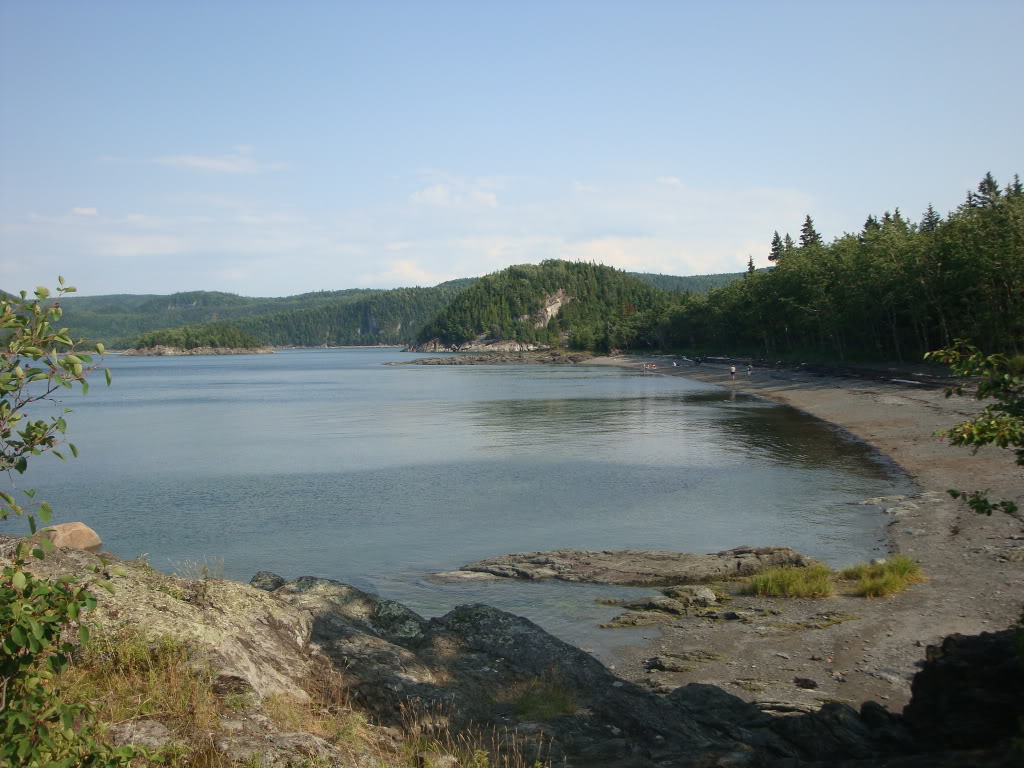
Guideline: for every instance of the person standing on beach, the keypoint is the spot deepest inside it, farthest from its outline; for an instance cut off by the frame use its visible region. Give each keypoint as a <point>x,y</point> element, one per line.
<point>750,370</point>
<point>732,372</point>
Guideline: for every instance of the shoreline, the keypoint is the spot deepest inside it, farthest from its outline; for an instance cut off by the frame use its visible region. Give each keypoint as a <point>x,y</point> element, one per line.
<point>974,564</point>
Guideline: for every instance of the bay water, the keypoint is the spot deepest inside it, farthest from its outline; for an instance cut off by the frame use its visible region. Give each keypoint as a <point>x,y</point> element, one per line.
<point>328,463</point>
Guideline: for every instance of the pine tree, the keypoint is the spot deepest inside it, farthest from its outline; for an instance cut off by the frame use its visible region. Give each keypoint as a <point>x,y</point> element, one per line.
<point>988,192</point>
<point>750,263</point>
<point>931,220</point>
<point>777,248</point>
<point>787,244</point>
<point>1015,188</point>
<point>808,235</point>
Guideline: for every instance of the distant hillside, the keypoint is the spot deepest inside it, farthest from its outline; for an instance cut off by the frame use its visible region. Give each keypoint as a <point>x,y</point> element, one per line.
<point>119,319</point>
<point>585,306</point>
<point>382,317</point>
<point>353,316</point>
<point>697,284</point>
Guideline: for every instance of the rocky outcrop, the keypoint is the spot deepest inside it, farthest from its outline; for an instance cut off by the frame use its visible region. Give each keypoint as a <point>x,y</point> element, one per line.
<point>973,686</point>
<point>472,665</point>
<point>161,351</point>
<point>74,535</point>
<point>634,567</point>
<point>479,344</point>
<point>552,357</point>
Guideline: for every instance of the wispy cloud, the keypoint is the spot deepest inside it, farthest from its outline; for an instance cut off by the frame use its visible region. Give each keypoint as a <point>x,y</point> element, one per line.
<point>85,211</point>
<point>458,192</point>
<point>239,160</point>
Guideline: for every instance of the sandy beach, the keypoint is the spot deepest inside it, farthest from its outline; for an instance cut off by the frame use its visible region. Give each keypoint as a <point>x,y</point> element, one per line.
<point>855,649</point>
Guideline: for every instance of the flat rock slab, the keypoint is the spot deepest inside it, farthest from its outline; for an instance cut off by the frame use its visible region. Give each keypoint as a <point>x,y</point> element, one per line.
<point>638,567</point>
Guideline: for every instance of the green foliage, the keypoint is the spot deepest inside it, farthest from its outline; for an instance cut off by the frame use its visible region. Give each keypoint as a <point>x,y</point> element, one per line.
<point>812,581</point>
<point>37,727</point>
<point>191,337</point>
<point>892,291</point>
<point>1001,423</point>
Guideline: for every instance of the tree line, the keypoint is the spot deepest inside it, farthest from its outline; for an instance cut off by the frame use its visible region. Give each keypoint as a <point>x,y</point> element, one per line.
<point>892,291</point>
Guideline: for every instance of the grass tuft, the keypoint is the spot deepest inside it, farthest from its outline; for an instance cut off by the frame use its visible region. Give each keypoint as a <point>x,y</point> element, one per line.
<point>885,578</point>
<point>813,581</point>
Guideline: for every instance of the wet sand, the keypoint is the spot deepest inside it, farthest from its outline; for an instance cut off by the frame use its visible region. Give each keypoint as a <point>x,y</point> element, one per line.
<point>974,564</point>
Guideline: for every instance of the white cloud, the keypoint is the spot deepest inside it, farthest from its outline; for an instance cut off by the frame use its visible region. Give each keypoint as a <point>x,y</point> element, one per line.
<point>241,160</point>
<point>445,196</point>
<point>85,211</point>
<point>669,181</point>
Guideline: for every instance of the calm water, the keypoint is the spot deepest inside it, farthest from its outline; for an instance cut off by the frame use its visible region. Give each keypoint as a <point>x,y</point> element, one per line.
<point>326,463</point>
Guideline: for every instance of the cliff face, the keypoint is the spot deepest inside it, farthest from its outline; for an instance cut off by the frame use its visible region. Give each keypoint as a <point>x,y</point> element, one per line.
<point>472,665</point>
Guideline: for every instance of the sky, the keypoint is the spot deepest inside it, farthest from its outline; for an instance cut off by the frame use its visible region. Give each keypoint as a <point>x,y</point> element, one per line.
<point>274,148</point>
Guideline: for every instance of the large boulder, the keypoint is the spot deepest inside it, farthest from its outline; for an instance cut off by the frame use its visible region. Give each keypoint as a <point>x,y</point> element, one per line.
<point>74,535</point>
<point>970,692</point>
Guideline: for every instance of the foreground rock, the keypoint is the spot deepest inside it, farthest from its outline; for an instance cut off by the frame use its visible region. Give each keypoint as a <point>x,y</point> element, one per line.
<point>478,665</point>
<point>75,535</point>
<point>637,567</point>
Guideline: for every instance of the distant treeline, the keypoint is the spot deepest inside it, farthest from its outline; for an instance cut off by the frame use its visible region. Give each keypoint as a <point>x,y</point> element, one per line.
<point>892,291</point>
<point>353,316</point>
<point>191,337</point>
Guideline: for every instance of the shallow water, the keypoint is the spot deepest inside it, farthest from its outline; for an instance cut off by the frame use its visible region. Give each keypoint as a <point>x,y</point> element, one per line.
<point>326,463</point>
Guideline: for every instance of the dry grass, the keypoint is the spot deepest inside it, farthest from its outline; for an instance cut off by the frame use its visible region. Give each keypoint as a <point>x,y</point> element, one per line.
<point>813,581</point>
<point>433,741</point>
<point>885,578</point>
<point>127,677</point>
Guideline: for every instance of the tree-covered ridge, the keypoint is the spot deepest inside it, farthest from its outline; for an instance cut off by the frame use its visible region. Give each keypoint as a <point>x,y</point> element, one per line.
<point>604,308</point>
<point>119,319</point>
<point>892,291</point>
<point>383,317</point>
<point>689,284</point>
<point>194,336</point>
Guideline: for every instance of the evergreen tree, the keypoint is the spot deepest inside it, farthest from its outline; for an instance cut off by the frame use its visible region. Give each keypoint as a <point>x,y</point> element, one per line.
<point>808,235</point>
<point>777,247</point>
<point>787,244</point>
<point>988,192</point>
<point>1015,188</point>
<point>931,220</point>
<point>750,264</point>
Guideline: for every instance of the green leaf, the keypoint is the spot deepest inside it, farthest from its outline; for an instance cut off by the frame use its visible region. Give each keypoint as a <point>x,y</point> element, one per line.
<point>85,387</point>
<point>106,372</point>
<point>100,349</point>
<point>18,636</point>
<point>38,554</point>
<point>30,492</point>
<point>18,580</point>
<point>45,512</point>
<point>74,450</point>
<point>83,634</point>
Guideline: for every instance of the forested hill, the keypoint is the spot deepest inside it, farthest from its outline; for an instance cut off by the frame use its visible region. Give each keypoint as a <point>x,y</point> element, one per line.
<point>350,316</point>
<point>555,302</point>
<point>689,284</point>
<point>383,317</point>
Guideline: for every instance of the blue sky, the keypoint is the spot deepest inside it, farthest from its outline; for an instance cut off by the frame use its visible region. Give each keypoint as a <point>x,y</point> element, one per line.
<point>271,148</point>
